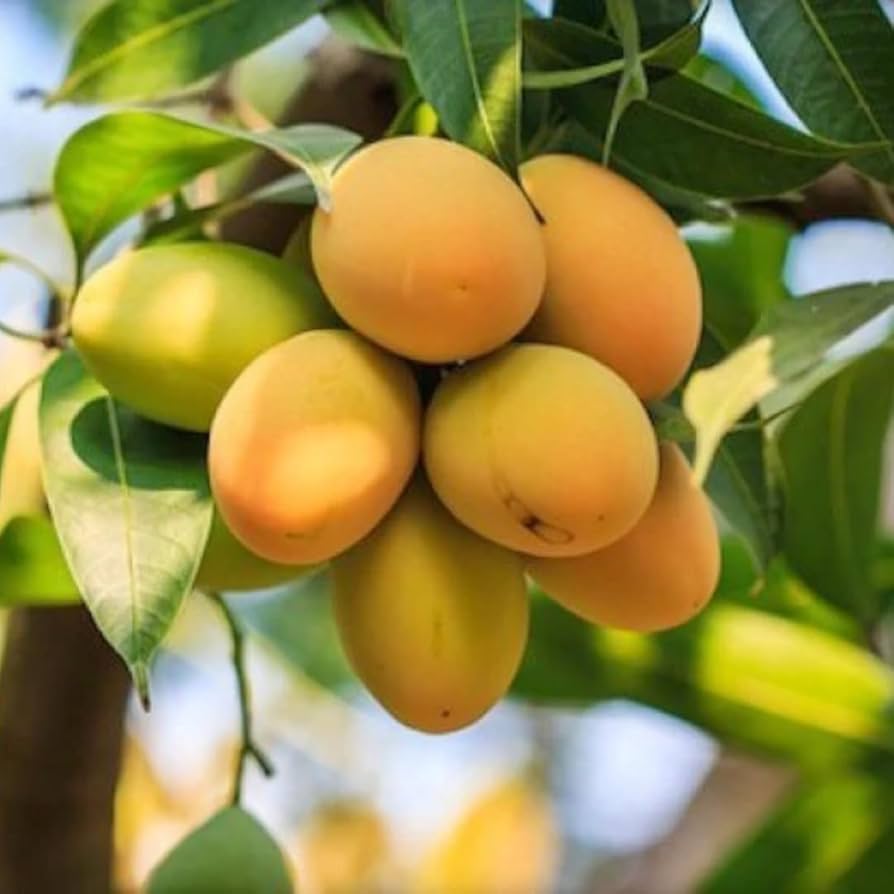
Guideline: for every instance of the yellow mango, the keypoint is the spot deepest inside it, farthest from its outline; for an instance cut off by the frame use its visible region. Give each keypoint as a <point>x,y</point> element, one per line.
<point>429,249</point>
<point>621,284</point>
<point>433,619</point>
<point>541,449</point>
<point>168,328</point>
<point>661,574</point>
<point>313,444</point>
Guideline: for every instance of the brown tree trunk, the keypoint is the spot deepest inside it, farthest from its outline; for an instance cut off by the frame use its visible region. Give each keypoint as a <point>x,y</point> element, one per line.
<point>62,697</point>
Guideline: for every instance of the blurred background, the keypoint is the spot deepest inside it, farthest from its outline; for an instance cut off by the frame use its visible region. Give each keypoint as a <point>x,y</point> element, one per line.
<point>605,795</point>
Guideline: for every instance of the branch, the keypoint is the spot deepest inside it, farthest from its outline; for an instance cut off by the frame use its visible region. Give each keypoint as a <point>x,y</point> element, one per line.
<point>28,201</point>
<point>249,748</point>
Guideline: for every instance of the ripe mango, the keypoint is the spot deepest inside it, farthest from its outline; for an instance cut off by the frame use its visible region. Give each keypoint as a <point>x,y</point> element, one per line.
<point>433,619</point>
<point>659,575</point>
<point>621,284</point>
<point>313,444</point>
<point>541,449</point>
<point>168,328</point>
<point>429,249</point>
<point>228,565</point>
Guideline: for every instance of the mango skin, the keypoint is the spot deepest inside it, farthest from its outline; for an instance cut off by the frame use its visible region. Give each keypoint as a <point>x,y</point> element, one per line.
<point>658,576</point>
<point>168,328</point>
<point>228,565</point>
<point>429,250</point>
<point>313,444</point>
<point>541,449</point>
<point>621,284</point>
<point>434,619</point>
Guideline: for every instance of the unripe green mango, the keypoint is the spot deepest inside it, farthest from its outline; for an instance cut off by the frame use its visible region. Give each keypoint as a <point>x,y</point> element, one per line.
<point>433,618</point>
<point>231,854</point>
<point>228,565</point>
<point>169,327</point>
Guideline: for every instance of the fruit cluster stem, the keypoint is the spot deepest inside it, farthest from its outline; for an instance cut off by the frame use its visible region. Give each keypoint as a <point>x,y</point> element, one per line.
<point>248,748</point>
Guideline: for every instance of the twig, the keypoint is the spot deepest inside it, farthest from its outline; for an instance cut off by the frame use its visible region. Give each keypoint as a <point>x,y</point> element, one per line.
<point>49,338</point>
<point>30,93</point>
<point>29,200</point>
<point>248,748</point>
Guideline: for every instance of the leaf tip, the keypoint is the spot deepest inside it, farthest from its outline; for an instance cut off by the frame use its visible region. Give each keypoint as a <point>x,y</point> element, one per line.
<point>140,674</point>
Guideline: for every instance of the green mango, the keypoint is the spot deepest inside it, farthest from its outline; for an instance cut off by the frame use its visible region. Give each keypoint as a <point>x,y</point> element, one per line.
<point>232,853</point>
<point>169,327</point>
<point>228,565</point>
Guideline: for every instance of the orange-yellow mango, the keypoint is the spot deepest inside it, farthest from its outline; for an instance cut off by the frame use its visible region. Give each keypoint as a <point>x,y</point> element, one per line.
<point>621,284</point>
<point>433,618</point>
<point>542,449</point>
<point>659,575</point>
<point>228,565</point>
<point>313,444</point>
<point>168,328</point>
<point>429,249</point>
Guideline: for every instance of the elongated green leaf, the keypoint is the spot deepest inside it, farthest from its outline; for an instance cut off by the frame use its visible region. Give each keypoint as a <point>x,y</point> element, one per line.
<point>816,842</point>
<point>832,61</point>
<point>355,22</point>
<point>33,570</point>
<point>790,345</point>
<point>6,414</point>
<point>122,163</point>
<point>690,137</point>
<point>131,502</point>
<point>466,59</point>
<point>232,853</point>
<point>653,14</point>
<point>831,452</point>
<point>756,680</point>
<point>139,48</point>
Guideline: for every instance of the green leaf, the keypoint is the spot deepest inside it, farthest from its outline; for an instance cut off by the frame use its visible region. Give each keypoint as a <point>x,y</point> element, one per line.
<point>818,842</point>
<point>132,506</point>
<point>6,414</point>
<point>133,49</point>
<point>831,454</point>
<point>832,62</point>
<point>232,853</point>
<point>122,163</point>
<point>466,59</point>
<point>633,85</point>
<point>33,570</point>
<point>355,22</point>
<point>789,347</point>
<point>755,680</point>
<point>741,267</point>
<point>299,625</point>
<point>692,138</point>
<point>653,14</point>
<point>556,45</point>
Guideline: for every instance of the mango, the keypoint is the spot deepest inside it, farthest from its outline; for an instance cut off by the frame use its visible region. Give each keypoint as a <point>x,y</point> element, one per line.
<point>661,574</point>
<point>429,249</point>
<point>621,284</point>
<point>433,619</point>
<point>313,444</point>
<point>541,449</point>
<point>228,565</point>
<point>168,328</point>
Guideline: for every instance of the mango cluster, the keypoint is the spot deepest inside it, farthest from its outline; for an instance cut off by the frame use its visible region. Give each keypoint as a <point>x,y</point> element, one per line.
<point>439,390</point>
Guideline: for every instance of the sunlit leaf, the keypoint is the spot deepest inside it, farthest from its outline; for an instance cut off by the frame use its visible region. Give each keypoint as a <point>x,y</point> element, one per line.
<point>756,680</point>
<point>831,453</point>
<point>122,163</point>
<point>131,502</point>
<point>790,344</point>
<point>832,61</point>
<point>33,570</point>
<point>139,48</point>
<point>466,59</point>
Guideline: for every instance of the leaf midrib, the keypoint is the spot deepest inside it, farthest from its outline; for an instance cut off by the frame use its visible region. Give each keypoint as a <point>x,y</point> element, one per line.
<point>157,32</point>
